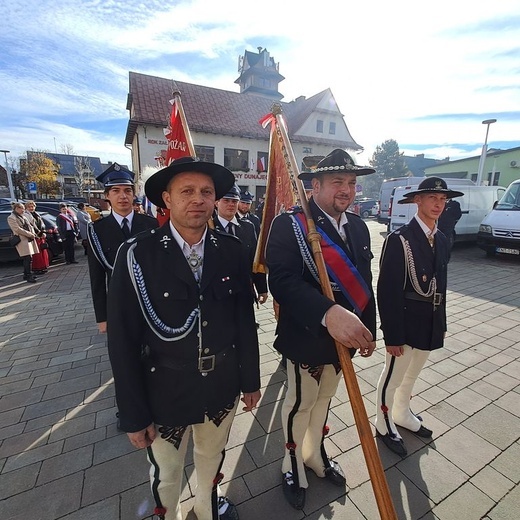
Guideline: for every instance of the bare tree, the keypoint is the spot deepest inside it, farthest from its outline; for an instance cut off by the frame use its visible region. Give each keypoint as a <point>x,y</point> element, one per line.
<point>82,174</point>
<point>67,149</point>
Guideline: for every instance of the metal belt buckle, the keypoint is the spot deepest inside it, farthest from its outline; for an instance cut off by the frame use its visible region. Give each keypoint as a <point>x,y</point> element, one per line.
<point>207,363</point>
<point>437,299</point>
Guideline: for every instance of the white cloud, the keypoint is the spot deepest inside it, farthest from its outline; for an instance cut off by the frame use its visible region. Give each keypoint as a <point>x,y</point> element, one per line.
<point>395,71</point>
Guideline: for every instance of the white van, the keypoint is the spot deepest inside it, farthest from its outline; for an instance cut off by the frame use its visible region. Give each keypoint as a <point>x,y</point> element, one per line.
<point>475,204</point>
<point>499,231</point>
<point>385,194</point>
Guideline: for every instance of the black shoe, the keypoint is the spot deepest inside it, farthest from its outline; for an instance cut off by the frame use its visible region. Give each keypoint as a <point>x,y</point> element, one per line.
<point>229,510</point>
<point>73,262</point>
<point>421,432</point>
<point>31,279</point>
<point>294,495</point>
<point>335,475</point>
<point>393,444</point>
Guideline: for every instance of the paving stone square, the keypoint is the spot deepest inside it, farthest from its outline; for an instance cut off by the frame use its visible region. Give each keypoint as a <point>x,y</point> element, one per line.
<point>62,457</point>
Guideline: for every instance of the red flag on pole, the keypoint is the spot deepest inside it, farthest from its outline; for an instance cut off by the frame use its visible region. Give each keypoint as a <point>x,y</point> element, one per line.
<point>179,142</point>
<point>176,135</point>
<point>280,192</point>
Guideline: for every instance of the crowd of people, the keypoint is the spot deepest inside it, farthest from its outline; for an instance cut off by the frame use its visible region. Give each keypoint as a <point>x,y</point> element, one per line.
<point>177,304</point>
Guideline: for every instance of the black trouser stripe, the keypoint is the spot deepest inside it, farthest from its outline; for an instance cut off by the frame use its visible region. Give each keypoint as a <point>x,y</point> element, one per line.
<point>290,420</point>
<point>324,455</point>
<point>156,479</point>
<point>383,395</point>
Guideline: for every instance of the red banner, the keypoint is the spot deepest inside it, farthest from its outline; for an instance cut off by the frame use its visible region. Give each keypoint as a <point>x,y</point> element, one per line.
<point>176,136</point>
<point>280,194</point>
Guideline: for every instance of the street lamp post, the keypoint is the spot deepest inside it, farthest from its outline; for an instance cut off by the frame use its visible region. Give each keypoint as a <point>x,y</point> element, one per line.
<point>9,180</point>
<point>486,122</point>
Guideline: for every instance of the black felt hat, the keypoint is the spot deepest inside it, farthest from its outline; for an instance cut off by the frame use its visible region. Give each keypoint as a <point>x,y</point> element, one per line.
<point>430,185</point>
<point>223,179</point>
<point>116,175</point>
<point>338,161</point>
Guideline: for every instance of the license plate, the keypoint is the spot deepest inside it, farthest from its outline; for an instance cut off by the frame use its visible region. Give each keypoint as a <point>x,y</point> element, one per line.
<point>508,251</point>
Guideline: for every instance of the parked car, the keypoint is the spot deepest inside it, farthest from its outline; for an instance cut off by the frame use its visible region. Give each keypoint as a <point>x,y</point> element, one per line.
<point>363,207</point>
<point>53,206</point>
<point>8,252</point>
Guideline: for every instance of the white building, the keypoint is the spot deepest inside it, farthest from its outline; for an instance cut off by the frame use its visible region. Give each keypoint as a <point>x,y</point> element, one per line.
<point>225,126</point>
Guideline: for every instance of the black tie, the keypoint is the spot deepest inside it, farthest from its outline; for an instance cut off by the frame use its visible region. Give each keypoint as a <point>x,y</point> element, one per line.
<point>125,228</point>
<point>230,229</point>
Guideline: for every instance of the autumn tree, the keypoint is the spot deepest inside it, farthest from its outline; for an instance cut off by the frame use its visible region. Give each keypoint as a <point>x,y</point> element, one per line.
<point>43,171</point>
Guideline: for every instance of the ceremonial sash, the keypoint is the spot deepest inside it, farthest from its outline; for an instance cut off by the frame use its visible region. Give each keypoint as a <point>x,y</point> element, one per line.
<point>67,219</point>
<point>340,269</point>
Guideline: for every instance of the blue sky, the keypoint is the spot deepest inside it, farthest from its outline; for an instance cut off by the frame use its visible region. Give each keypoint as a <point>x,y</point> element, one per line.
<point>426,77</point>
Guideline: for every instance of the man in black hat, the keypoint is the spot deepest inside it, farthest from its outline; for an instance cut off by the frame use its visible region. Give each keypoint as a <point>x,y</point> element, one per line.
<point>226,219</point>
<point>182,337</point>
<point>309,321</point>
<point>244,210</point>
<point>107,234</point>
<point>411,297</point>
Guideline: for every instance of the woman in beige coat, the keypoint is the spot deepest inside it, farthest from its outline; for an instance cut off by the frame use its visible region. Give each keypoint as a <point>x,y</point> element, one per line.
<point>21,227</point>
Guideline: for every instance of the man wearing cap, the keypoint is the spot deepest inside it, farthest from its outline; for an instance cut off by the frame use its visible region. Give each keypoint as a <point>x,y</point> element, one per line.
<point>411,297</point>
<point>226,219</point>
<point>182,337</point>
<point>107,234</point>
<point>138,205</point>
<point>244,210</point>
<point>309,321</point>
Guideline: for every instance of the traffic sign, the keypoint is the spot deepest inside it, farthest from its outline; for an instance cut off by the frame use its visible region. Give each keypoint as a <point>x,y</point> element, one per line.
<point>31,187</point>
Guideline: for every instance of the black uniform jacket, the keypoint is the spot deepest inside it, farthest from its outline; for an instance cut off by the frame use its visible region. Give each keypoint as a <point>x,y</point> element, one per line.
<point>300,335</point>
<point>158,380</point>
<point>255,221</point>
<point>110,237</point>
<point>403,320</point>
<point>245,231</point>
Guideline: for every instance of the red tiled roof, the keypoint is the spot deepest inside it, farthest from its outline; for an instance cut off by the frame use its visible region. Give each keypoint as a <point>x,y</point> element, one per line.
<point>216,111</point>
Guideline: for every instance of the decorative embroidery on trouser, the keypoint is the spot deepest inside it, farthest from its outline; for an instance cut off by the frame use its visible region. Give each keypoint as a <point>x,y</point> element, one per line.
<point>394,391</point>
<point>304,414</point>
<point>167,466</point>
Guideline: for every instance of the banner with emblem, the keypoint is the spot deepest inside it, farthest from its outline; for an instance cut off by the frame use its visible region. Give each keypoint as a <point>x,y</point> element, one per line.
<point>280,193</point>
<point>178,134</point>
<point>179,141</point>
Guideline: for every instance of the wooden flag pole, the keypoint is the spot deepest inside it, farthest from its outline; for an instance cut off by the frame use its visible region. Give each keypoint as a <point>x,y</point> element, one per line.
<point>375,468</point>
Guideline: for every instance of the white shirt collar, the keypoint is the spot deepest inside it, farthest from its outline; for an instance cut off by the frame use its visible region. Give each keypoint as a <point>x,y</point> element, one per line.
<point>427,231</point>
<point>224,222</point>
<point>120,218</point>
<point>185,247</point>
<point>337,226</point>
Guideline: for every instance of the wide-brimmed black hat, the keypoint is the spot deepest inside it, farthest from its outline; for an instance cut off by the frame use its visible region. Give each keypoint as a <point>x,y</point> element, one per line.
<point>430,185</point>
<point>223,179</point>
<point>338,161</point>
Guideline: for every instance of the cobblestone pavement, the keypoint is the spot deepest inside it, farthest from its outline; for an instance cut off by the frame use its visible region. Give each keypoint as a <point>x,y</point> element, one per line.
<point>61,456</point>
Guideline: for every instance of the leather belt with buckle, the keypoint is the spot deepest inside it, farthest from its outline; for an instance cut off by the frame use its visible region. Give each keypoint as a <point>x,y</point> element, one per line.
<point>435,299</point>
<point>205,363</point>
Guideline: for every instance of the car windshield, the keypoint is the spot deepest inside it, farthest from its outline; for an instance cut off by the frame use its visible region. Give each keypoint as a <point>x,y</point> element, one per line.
<point>511,198</point>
